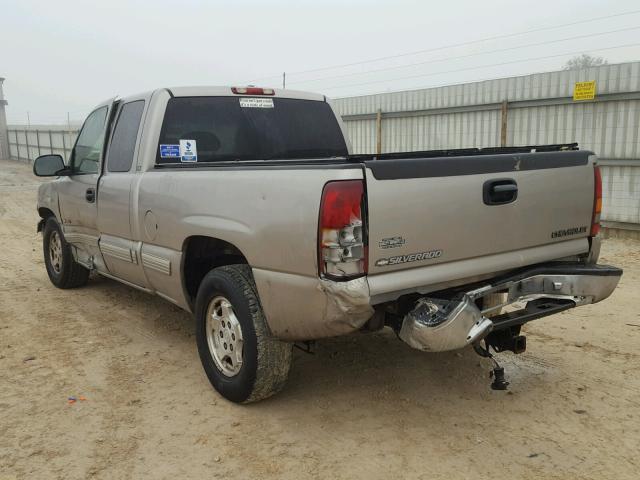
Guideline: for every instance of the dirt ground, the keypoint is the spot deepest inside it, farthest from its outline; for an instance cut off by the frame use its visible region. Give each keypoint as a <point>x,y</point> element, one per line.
<point>364,406</point>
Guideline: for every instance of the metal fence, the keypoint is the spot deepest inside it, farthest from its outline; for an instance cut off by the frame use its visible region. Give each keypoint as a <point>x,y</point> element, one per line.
<point>27,143</point>
<point>529,110</point>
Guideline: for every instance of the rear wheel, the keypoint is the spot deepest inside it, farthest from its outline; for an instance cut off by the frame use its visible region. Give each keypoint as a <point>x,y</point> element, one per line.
<point>63,270</point>
<point>242,361</point>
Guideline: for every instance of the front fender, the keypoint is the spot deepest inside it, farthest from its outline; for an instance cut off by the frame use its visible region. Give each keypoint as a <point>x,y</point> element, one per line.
<point>48,198</point>
<point>47,201</point>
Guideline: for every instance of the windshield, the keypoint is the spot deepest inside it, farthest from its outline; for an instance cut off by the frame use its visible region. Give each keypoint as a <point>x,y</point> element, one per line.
<point>210,129</point>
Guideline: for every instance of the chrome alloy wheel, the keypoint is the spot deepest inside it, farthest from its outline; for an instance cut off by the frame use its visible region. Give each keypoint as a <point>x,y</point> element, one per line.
<point>224,336</point>
<point>55,251</point>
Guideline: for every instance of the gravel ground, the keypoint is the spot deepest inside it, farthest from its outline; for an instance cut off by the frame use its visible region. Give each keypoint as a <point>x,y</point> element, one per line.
<point>364,406</point>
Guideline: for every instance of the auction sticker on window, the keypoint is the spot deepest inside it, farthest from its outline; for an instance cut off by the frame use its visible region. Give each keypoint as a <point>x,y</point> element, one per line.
<point>256,102</point>
<point>188,151</point>
<point>169,151</point>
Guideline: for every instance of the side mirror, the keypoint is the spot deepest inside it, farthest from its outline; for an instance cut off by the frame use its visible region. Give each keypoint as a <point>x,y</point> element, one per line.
<point>49,166</point>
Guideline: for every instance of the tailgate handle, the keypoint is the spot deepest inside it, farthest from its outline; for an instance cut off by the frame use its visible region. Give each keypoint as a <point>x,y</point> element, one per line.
<point>499,191</point>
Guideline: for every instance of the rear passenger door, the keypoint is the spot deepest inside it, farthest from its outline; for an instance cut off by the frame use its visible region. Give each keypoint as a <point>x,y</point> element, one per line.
<point>119,248</point>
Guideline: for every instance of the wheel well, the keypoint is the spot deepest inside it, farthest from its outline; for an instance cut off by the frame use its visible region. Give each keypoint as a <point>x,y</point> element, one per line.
<point>203,254</point>
<point>45,213</point>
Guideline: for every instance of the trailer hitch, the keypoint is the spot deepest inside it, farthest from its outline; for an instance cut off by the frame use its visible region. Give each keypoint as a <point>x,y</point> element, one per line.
<point>508,339</point>
<point>499,381</point>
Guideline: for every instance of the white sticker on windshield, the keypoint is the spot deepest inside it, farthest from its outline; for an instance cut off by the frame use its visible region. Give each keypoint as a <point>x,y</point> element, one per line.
<point>256,102</point>
<point>188,151</point>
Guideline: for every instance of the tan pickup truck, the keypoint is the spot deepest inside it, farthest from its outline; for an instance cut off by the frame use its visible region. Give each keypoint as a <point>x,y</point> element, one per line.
<point>244,206</point>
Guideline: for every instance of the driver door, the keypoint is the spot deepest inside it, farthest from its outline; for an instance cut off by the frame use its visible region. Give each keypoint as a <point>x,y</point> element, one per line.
<point>77,192</point>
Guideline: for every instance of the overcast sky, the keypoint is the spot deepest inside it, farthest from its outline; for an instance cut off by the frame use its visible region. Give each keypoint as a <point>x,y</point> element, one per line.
<point>66,56</point>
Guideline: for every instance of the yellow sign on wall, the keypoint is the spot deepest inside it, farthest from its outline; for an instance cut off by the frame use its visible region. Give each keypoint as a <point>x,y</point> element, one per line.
<point>584,90</point>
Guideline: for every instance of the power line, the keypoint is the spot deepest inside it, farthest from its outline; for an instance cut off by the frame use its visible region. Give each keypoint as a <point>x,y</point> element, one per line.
<point>468,55</point>
<point>461,82</point>
<point>445,47</point>
<point>483,66</point>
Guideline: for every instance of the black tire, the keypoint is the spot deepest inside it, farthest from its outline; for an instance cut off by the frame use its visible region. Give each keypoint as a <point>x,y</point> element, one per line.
<point>66,272</point>
<point>265,360</point>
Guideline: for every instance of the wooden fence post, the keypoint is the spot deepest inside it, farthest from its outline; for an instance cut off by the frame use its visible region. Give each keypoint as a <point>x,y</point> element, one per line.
<point>379,132</point>
<point>503,124</point>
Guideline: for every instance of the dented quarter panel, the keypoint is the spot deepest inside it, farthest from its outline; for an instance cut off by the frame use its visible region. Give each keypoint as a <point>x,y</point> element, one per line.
<point>251,209</point>
<point>304,308</point>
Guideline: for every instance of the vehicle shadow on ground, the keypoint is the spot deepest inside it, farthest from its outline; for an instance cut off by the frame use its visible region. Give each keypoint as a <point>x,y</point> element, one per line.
<point>371,366</point>
<point>380,365</point>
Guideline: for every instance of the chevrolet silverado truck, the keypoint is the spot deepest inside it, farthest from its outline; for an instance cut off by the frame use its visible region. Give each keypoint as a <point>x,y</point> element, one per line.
<point>245,207</point>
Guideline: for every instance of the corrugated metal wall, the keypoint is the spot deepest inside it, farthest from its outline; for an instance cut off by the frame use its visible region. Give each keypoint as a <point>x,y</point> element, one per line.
<point>539,110</point>
<point>621,195</point>
<point>619,78</point>
<point>27,143</point>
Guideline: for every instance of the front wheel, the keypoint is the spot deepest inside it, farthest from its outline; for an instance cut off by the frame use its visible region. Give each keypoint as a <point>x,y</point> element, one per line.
<point>63,270</point>
<point>242,361</point>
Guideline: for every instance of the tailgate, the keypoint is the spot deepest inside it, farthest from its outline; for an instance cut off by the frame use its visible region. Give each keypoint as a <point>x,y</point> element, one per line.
<point>429,211</point>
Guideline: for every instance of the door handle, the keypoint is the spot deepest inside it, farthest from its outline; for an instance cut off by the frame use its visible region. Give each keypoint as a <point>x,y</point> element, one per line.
<point>504,188</point>
<point>90,195</point>
<point>499,191</point>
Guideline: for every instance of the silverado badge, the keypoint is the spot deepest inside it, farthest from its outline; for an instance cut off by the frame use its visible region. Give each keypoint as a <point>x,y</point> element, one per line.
<point>413,257</point>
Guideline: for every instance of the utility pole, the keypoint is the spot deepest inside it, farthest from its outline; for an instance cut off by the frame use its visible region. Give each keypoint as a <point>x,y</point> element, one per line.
<point>68,122</point>
<point>284,80</point>
<point>4,132</point>
<point>28,120</point>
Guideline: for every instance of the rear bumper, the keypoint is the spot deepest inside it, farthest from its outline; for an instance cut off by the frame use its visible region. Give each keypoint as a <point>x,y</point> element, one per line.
<point>454,320</point>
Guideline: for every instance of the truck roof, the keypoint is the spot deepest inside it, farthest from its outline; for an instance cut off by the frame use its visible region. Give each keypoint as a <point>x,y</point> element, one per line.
<point>225,91</point>
<point>215,91</point>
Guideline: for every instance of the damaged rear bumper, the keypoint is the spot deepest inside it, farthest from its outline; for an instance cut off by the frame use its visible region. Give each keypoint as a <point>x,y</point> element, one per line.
<point>452,320</point>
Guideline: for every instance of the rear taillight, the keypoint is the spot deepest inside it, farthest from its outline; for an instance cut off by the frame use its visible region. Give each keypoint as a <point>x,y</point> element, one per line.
<point>597,201</point>
<point>252,91</point>
<point>342,238</point>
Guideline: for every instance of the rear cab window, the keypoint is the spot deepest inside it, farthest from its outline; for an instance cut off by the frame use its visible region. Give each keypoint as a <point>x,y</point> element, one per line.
<point>125,134</point>
<point>215,129</point>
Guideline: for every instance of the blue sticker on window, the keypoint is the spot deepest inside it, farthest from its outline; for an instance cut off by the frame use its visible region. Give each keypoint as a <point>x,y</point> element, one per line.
<point>170,151</point>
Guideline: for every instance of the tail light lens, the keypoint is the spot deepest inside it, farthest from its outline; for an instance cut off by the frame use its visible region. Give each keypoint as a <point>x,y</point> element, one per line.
<point>252,91</point>
<point>597,201</point>
<point>342,239</point>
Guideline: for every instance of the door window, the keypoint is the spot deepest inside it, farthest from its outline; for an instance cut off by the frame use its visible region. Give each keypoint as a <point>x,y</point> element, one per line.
<point>123,142</point>
<point>86,154</point>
